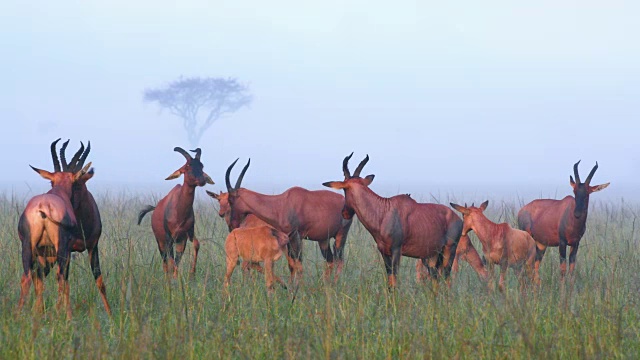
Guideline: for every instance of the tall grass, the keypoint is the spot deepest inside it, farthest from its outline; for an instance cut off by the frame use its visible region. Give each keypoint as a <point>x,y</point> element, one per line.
<point>597,315</point>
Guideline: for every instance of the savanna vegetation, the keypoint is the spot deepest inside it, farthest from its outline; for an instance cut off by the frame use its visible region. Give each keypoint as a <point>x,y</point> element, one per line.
<point>594,314</point>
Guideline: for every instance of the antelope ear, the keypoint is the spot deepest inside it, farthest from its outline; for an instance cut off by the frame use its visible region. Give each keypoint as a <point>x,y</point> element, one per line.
<point>208,179</point>
<point>571,182</point>
<point>484,205</point>
<point>335,184</point>
<point>213,195</point>
<point>44,173</point>
<point>83,172</point>
<point>176,174</point>
<point>368,179</point>
<point>85,177</point>
<point>461,209</point>
<point>593,189</point>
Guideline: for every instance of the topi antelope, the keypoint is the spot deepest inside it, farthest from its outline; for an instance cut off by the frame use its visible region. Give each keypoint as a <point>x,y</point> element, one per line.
<point>501,244</point>
<point>560,223</point>
<point>253,240</point>
<point>48,230</point>
<point>86,212</point>
<point>300,213</point>
<point>400,225</point>
<point>173,221</point>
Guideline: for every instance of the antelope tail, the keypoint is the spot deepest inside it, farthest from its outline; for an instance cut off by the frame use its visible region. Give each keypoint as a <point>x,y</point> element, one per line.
<point>144,212</point>
<point>47,212</point>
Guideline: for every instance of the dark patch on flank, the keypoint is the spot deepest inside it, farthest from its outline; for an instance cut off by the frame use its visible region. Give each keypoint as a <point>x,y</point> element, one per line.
<point>395,230</point>
<point>562,231</point>
<point>24,231</point>
<point>524,221</point>
<point>67,223</point>
<point>167,231</point>
<point>455,231</point>
<point>293,220</point>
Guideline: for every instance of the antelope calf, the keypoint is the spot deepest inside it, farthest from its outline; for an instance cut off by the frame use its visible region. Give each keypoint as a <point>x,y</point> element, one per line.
<point>47,229</point>
<point>501,244</point>
<point>252,239</point>
<point>254,245</point>
<point>560,223</point>
<point>172,221</point>
<point>302,214</point>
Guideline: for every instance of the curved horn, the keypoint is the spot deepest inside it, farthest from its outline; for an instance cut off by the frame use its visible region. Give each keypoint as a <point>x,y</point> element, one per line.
<point>244,170</point>
<point>361,166</point>
<point>84,156</point>
<point>198,152</point>
<point>226,175</point>
<point>54,156</point>
<point>63,159</point>
<point>575,172</point>
<point>593,171</point>
<point>184,153</point>
<point>73,165</point>
<point>345,166</point>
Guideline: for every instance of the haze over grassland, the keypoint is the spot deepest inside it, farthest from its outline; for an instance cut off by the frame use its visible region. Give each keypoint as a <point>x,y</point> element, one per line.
<point>492,99</point>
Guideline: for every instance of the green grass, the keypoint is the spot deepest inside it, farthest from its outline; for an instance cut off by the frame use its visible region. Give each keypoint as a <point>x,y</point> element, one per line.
<point>595,316</point>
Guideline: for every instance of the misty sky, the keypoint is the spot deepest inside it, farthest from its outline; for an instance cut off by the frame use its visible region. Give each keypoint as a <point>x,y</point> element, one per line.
<point>457,96</point>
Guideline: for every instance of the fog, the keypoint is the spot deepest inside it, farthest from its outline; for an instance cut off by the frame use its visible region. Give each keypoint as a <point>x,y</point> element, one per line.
<point>494,98</point>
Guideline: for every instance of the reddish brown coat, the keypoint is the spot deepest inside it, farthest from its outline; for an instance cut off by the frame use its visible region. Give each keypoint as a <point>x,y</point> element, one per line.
<point>87,215</point>
<point>263,242</point>
<point>560,223</point>
<point>501,244</point>
<point>47,228</point>
<point>402,226</point>
<point>301,213</point>
<point>254,245</point>
<point>173,221</point>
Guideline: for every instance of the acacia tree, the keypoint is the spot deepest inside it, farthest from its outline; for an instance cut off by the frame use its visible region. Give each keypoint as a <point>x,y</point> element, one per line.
<point>200,101</point>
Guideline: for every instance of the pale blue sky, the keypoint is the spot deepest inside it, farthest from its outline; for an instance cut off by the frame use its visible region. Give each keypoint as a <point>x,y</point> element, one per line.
<point>460,96</point>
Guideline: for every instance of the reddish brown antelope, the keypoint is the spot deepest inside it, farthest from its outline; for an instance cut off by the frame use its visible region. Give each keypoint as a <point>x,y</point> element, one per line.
<point>254,241</point>
<point>560,223</point>
<point>254,245</point>
<point>402,226</point>
<point>501,244</point>
<point>300,213</point>
<point>86,212</point>
<point>47,229</point>
<point>172,221</point>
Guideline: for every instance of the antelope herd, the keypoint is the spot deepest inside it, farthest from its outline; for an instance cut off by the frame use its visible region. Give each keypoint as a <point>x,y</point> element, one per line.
<point>263,228</point>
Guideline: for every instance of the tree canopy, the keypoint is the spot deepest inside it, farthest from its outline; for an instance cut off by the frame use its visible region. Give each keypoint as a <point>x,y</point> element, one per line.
<point>200,101</point>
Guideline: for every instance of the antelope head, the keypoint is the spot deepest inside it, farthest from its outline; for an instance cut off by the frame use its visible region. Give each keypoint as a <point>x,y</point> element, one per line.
<point>581,190</point>
<point>350,182</point>
<point>235,217</point>
<point>469,215</point>
<point>192,169</point>
<point>225,209</point>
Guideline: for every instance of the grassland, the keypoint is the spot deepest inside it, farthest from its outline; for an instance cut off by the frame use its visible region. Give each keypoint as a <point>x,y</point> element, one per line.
<point>597,315</point>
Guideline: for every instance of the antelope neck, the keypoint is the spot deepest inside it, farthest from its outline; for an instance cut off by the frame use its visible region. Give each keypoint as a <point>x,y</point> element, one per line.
<point>266,207</point>
<point>369,206</point>
<point>485,229</point>
<point>185,201</point>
